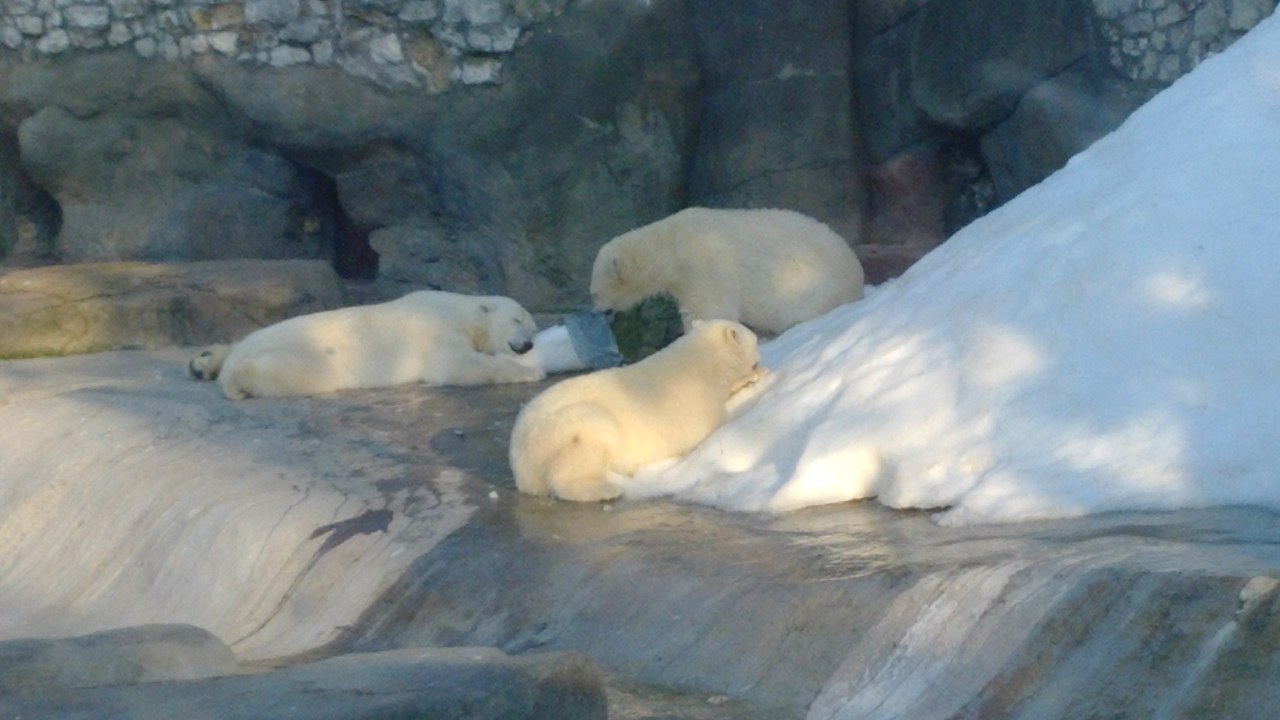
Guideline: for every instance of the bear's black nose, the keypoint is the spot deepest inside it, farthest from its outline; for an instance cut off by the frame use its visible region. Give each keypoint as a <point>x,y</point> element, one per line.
<point>522,348</point>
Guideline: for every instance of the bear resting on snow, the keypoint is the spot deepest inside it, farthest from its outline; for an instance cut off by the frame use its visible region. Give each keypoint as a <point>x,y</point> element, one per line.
<point>437,338</point>
<point>768,269</point>
<point>568,440</point>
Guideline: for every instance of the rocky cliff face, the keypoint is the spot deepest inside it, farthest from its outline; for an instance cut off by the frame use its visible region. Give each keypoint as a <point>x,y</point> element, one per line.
<point>965,103</point>
<point>492,145</point>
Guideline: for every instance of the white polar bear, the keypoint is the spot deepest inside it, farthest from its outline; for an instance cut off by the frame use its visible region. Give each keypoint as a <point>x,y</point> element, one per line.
<point>568,440</point>
<point>437,338</point>
<point>768,269</point>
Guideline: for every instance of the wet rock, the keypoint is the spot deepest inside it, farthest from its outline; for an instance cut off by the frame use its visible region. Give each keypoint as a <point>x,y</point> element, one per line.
<point>91,307</point>
<point>387,519</point>
<point>446,684</point>
<point>126,656</point>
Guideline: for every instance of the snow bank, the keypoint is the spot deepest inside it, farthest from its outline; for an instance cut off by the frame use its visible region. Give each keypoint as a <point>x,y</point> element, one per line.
<point>1109,340</point>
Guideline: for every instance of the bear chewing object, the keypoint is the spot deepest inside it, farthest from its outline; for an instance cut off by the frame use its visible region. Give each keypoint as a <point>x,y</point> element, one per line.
<point>437,338</point>
<point>768,269</point>
<point>568,440</point>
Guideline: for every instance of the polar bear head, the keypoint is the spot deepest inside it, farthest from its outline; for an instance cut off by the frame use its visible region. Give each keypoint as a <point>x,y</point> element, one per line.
<point>732,349</point>
<point>502,326</point>
<point>623,274</point>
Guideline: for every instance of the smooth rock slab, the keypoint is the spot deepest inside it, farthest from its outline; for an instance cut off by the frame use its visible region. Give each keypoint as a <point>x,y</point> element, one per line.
<point>363,521</point>
<point>442,684</point>
<point>93,307</point>
<point>150,653</point>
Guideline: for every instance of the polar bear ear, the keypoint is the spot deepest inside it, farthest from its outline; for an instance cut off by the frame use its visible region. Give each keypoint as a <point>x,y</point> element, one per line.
<point>613,270</point>
<point>731,333</point>
<point>622,267</point>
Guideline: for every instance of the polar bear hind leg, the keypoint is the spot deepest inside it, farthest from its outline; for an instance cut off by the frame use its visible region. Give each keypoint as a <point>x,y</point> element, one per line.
<point>278,373</point>
<point>571,457</point>
<point>580,472</point>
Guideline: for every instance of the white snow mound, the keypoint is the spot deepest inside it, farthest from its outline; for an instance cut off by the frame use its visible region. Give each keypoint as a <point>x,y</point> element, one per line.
<point>1108,340</point>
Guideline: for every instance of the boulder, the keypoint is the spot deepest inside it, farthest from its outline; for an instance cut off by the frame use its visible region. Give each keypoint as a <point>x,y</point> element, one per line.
<point>148,167</point>
<point>971,60</point>
<point>442,683</point>
<point>91,307</point>
<point>494,146</point>
<point>888,118</point>
<point>125,656</point>
<point>415,256</point>
<point>577,134</point>
<point>776,128</point>
<point>1054,120</point>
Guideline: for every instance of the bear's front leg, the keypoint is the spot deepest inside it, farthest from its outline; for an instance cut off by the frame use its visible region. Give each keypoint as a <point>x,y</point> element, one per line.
<point>480,369</point>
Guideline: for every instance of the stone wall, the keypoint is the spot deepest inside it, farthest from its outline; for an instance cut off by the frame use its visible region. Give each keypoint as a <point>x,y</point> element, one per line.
<point>431,44</point>
<point>478,145</point>
<point>493,145</point>
<point>965,103</point>
<point>1157,41</point>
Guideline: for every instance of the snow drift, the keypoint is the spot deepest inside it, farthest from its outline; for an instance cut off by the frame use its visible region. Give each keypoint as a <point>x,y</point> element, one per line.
<point>1108,340</point>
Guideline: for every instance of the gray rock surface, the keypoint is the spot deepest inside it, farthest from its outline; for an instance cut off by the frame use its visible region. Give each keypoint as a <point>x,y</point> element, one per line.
<point>91,307</point>
<point>1013,88</point>
<point>1054,120</point>
<point>126,656</point>
<point>971,61</point>
<point>493,146</point>
<point>373,520</point>
<point>161,176</point>
<point>443,684</point>
<point>775,127</point>
<point>210,156</point>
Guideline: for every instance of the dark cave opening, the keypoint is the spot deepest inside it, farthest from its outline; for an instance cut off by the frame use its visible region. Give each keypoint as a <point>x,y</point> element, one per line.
<point>353,257</point>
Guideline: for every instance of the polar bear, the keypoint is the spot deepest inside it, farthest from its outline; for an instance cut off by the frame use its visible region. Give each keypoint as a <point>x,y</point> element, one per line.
<point>437,338</point>
<point>768,269</point>
<point>568,440</point>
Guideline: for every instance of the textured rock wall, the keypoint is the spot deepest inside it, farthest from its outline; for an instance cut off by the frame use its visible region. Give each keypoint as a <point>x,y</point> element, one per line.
<point>493,145</point>
<point>965,103</point>
<point>424,132</point>
<point>427,43</point>
<point>486,145</point>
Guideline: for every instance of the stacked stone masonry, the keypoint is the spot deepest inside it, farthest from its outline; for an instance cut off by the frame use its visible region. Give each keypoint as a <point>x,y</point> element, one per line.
<point>425,43</point>
<point>438,43</point>
<point>1157,41</point>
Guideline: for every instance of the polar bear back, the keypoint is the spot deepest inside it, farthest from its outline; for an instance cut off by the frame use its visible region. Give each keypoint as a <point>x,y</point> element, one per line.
<point>659,412</point>
<point>767,268</point>
<point>568,440</point>
<point>355,347</point>
<point>424,336</point>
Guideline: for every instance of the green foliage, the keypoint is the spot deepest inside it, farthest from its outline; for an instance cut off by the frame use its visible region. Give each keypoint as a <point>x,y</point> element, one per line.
<point>647,327</point>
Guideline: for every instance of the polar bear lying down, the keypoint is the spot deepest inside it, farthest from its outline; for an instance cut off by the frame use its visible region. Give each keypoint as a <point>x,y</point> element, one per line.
<point>568,440</point>
<point>437,338</point>
<point>768,269</point>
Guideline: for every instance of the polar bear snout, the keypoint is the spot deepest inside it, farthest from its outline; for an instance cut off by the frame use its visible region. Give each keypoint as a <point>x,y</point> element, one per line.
<point>599,305</point>
<point>520,347</point>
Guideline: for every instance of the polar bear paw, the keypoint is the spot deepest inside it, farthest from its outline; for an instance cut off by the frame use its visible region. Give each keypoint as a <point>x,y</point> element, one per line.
<point>207,364</point>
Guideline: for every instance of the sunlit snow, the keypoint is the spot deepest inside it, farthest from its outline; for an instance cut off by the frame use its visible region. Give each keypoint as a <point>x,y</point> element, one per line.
<point>1108,340</point>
